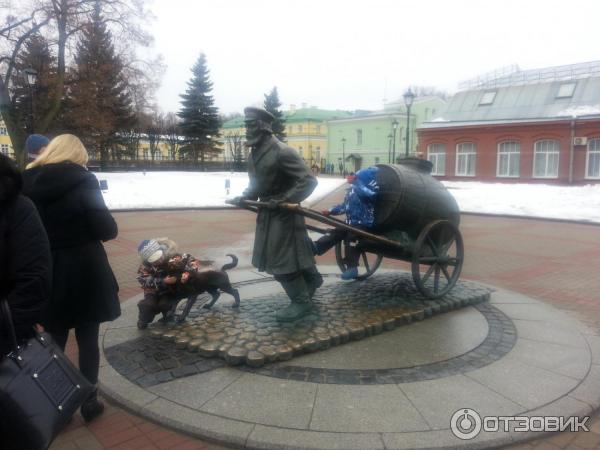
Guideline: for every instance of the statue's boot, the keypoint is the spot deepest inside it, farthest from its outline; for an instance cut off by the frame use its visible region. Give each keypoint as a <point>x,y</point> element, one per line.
<point>313,280</point>
<point>297,291</point>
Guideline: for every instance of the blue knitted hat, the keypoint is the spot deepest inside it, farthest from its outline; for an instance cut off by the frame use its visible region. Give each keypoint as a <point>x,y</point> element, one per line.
<point>34,143</point>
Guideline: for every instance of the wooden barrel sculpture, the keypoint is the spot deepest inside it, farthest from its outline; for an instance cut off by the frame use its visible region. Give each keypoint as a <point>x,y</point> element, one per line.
<point>410,198</point>
<point>414,204</point>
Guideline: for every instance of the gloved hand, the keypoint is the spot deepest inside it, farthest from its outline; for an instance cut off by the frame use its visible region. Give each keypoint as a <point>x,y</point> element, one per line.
<point>326,212</point>
<point>237,200</point>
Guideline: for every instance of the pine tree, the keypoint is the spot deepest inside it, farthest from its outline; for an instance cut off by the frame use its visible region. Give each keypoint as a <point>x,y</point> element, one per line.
<point>200,121</point>
<point>99,105</point>
<point>272,104</point>
<point>33,104</point>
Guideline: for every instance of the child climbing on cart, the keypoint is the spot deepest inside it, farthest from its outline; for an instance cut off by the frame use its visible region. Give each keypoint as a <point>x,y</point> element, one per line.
<point>359,207</point>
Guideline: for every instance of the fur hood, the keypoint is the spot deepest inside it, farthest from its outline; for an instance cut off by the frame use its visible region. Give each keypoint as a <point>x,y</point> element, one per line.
<point>169,245</point>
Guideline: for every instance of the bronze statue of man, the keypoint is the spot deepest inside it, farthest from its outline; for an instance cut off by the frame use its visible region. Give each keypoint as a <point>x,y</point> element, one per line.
<point>281,245</point>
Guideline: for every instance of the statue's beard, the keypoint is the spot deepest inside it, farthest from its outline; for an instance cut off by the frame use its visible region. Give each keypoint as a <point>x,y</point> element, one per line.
<point>254,140</point>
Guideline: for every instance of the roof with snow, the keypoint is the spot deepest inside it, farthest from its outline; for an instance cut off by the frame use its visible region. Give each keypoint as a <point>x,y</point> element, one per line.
<point>547,94</point>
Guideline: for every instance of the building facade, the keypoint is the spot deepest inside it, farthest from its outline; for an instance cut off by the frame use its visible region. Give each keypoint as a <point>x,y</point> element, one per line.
<point>368,138</point>
<point>6,147</point>
<point>527,126</point>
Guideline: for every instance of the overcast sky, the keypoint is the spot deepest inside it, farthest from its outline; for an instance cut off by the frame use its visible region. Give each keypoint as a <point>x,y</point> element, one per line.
<point>348,54</point>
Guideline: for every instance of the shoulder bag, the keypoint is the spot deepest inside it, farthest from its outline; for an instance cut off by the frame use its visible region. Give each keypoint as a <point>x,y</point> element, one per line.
<point>40,389</point>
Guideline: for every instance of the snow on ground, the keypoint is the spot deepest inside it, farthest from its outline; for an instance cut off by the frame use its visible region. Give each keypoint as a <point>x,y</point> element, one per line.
<point>134,190</point>
<point>537,200</point>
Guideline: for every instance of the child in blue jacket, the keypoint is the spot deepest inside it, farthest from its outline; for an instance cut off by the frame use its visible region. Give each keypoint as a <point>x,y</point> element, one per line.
<point>359,207</point>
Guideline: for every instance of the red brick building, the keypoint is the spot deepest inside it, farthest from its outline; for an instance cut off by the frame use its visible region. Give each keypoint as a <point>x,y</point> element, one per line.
<point>524,126</point>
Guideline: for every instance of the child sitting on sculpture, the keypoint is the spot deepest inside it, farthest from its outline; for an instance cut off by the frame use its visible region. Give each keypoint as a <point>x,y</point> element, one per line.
<point>359,207</point>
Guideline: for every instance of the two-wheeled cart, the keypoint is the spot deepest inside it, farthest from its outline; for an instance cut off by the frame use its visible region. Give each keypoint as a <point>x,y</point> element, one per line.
<point>416,221</point>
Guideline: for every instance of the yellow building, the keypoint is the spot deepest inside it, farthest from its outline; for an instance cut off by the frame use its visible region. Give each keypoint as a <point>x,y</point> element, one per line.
<point>6,147</point>
<point>305,128</point>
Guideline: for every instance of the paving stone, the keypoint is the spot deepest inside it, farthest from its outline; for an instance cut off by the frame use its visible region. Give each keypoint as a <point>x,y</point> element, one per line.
<point>439,399</point>
<point>364,409</point>
<point>279,438</point>
<point>193,391</point>
<point>536,386</point>
<point>254,399</point>
<point>568,361</point>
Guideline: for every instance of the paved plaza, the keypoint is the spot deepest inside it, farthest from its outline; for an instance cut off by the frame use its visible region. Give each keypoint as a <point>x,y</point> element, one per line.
<point>533,348</point>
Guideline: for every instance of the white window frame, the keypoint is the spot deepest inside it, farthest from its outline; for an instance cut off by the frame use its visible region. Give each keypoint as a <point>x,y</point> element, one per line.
<point>541,147</point>
<point>595,151</point>
<point>510,153</point>
<point>5,149</point>
<point>566,90</point>
<point>436,153</point>
<point>467,153</point>
<point>359,136</point>
<point>487,98</point>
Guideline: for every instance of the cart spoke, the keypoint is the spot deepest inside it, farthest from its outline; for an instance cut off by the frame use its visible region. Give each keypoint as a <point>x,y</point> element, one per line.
<point>446,247</point>
<point>428,273</point>
<point>432,246</point>
<point>366,261</point>
<point>436,278</point>
<point>446,274</point>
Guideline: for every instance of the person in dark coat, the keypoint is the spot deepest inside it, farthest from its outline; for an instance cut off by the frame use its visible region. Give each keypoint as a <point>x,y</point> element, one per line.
<point>25,278</point>
<point>281,245</point>
<point>85,291</point>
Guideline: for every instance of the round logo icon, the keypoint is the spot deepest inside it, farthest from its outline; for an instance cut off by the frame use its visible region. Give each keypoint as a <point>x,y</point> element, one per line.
<point>465,424</point>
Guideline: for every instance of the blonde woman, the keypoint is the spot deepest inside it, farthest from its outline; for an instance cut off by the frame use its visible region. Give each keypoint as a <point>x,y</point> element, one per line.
<point>85,292</point>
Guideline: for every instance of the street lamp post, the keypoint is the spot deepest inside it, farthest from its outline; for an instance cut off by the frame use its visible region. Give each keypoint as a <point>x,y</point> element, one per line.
<point>394,128</point>
<point>31,79</point>
<point>343,156</point>
<point>390,148</point>
<point>409,97</point>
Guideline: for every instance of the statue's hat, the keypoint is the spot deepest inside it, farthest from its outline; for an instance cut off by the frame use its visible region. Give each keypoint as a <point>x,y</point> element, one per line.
<point>252,112</point>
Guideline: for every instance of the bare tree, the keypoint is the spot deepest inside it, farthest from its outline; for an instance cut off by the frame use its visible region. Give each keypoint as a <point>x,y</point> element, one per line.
<point>172,134</point>
<point>237,149</point>
<point>61,21</point>
<point>154,131</point>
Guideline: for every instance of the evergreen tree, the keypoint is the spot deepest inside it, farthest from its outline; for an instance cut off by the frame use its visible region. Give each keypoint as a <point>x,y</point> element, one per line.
<point>272,104</point>
<point>32,104</point>
<point>99,105</point>
<point>200,121</point>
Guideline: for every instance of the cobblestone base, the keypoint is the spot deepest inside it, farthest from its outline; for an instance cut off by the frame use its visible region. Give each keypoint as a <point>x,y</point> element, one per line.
<point>250,335</point>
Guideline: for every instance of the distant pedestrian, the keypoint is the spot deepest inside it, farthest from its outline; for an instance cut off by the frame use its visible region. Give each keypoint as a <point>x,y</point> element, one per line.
<point>34,145</point>
<point>73,211</point>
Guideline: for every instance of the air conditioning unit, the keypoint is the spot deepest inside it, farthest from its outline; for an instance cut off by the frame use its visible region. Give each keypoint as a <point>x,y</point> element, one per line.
<point>579,141</point>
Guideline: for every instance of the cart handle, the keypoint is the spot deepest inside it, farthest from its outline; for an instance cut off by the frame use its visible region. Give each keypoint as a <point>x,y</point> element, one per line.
<point>295,207</point>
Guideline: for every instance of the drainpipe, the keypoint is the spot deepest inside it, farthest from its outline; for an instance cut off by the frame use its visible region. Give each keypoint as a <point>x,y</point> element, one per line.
<point>572,149</point>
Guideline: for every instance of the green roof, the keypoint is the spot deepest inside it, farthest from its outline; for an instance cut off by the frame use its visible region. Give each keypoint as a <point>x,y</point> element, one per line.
<point>314,114</point>
<point>298,115</point>
<point>238,122</point>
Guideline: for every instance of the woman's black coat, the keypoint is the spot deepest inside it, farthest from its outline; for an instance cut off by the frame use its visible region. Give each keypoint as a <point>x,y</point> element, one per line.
<point>76,219</point>
<point>25,261</point>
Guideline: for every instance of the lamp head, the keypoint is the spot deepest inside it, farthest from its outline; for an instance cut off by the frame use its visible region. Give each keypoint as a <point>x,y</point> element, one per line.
<point>31,76</point>
<point>409,97</point>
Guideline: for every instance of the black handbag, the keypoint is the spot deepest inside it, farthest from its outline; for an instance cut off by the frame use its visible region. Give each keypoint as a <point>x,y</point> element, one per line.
<point>40,390</point>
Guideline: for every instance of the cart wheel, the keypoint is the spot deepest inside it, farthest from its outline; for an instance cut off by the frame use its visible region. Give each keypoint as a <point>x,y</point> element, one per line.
<point>439,252</point>
<point>368,262</point>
